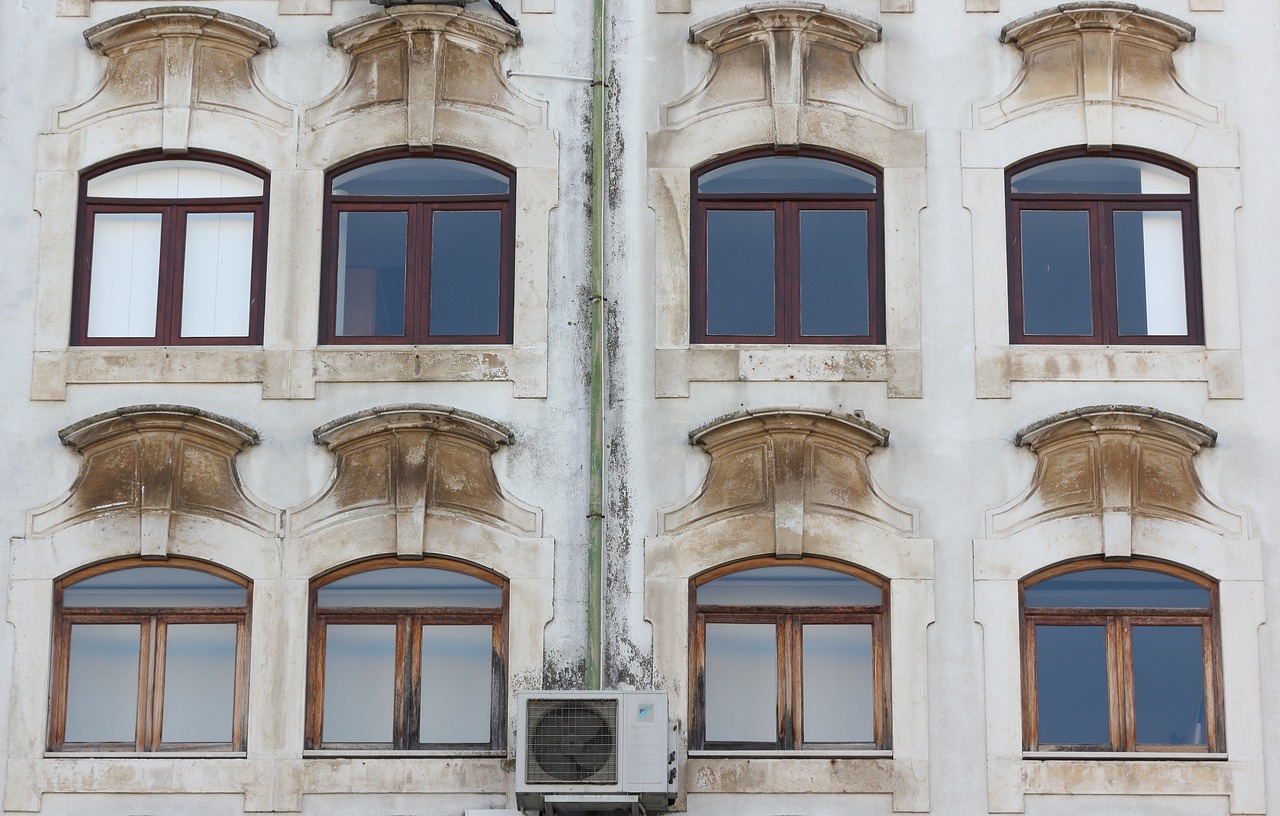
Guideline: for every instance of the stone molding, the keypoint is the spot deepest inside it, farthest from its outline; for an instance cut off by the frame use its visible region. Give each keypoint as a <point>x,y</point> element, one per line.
<point>1098,55</point>
<point>178,59</point>
<point>152,463</point>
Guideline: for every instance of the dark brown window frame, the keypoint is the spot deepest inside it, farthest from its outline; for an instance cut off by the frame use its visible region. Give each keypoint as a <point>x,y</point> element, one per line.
<point>1121,712</point>
<point>1101,208</point>
<point>168,330</point>
<point>153,622</point>
<point>787,250</point>
<point>408,673</point>
<point>788,621</point>
<point>418,253</point>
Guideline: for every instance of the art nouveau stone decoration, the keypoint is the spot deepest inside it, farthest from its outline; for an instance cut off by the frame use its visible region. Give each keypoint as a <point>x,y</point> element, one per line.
<point>1118,463</point>
<point>413,463</point>
<point>777,468</point>
<point>177,60</point>
<point>788,56</point>
<point>154,463</point>
<point>416,61</point>
<point>1098,55</point>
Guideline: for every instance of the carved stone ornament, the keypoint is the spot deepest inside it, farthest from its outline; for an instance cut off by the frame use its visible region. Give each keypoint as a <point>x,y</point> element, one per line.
<point>1098,55</point>
<point>1119,463</point>
<point>787,464</point>
<point>413,462</point>
<point>424,57</point>
<point>178,59</point>
<point>788,56</point>
<point>155,462</point>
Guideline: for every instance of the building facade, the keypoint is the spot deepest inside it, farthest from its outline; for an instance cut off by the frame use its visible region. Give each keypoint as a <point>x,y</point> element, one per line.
<point>926,468</point>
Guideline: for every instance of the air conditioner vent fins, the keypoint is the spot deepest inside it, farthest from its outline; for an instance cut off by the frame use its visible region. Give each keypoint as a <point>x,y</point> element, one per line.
<point>572,741</point>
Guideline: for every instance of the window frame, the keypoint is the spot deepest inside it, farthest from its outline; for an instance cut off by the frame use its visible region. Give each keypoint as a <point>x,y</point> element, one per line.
<point>409,622</point>
<point>1101,209</point>
<point>419,211</point>
<point>788,622</point>
<point>172,258</point>
<point>1121,710</point>
<point>153,623</point>
<point>787,207</point>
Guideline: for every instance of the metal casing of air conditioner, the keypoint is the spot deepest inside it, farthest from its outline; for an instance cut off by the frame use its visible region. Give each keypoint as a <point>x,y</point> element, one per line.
<point>595,743</point>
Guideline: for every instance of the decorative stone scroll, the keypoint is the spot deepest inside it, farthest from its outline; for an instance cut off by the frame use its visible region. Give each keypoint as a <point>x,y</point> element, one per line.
<point>1119,463</point>
<point>154,462</point>
<point>1098,55</point>
<point>783,466</point>
<point>422,58</point>
<point>413,462</point>
<point>177,60</point>
<point>788,56</point>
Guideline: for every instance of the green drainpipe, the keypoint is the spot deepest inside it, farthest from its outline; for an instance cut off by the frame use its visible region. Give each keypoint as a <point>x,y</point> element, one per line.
<point>595,517</point>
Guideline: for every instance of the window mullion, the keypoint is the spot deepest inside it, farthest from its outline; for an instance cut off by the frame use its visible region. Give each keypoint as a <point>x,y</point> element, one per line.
<point>167,276</point>
<point>146,684</point>
<point>787,259</point>
<point>1103,271</point>
<point>1120,683</point>
<point>786,725</point>
<point>401,698</point>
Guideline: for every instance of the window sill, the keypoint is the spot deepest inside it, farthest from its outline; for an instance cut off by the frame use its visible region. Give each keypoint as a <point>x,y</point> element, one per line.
<point>801,754</point>
<point>351,753</point>
<point>145,755</point>
<point>1128,756</point>
<point>899,368</point>
<point>1000,366</point>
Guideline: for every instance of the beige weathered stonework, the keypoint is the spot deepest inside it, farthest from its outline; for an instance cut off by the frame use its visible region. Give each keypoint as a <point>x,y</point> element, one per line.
<point>178,59</point>
<point>1098,55</point>
<point>785,483</point>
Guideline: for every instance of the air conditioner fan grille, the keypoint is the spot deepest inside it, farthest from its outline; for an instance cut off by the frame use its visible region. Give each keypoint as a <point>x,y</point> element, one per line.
<point>572,741</point>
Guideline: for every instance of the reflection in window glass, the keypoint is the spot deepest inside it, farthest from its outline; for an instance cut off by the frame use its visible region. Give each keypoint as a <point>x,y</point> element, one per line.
<point>372,249</point>
<point>1100,176</point>
<point>154,587</point>
<point>457,669</point>
<point>124,281</point>
<point>1071,685</point>
<point>786,174</point>
<point>199,682</point>
<point>1151,283</point>
<point>403,587</point>
<point>1057,295</point>
<point>466,272</point>
<point>359,683</point>
<point>788,586</point>
<point>834,296</point>
<point>741,682</point>
<point>102,683</point>
<point>740,272</point>
<point>1117,588</point>
<point>1168,685</point>
<point>421,176</point>
<point>838,683</point>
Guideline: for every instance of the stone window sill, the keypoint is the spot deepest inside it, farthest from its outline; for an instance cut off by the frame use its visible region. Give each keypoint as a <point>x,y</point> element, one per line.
<point>677,368</point>
<point>998,367</point>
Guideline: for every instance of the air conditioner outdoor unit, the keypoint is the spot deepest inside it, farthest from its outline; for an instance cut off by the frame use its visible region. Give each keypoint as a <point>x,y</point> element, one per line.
<point>594,750</point>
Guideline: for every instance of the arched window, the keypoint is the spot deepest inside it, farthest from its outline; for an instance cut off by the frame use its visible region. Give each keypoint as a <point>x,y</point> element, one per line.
<point>1121,657</point>
<point>1103,249</point>
<point>150,657</point>
<point>789,655</point>
<point>171,252</point>
<point>787,248</point>
<point>408,657</point>
<point>418,249</point>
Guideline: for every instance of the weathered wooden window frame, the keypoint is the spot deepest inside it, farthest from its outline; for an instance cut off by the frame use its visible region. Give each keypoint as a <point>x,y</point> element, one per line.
<point>786,208</point>
<point>1121,714</point>
<point>419,210</point>
<point>173,211</point>
<point>153,623</point>
<point>788,621</point>
<point>409,623</point>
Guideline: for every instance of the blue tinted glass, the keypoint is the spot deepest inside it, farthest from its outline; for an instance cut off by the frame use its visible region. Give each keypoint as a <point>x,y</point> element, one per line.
<point>786,174</point>
<point>466,265</point>
<point>1056,276</point>
<point>421,177</point>
<point>740,273</point>
<point>1168,685</point>
<point>154,587</point>
<point>1100,176</point>
<point>372,251</point>
<point>1071,685</point>
<point>1120,588</point>
<point>789,586</point>
<point>410,587</point>
<point>833,273</point>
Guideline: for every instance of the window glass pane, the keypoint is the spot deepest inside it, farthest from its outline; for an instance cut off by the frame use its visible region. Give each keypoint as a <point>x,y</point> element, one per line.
<point>199,682</point>
<point>839,695</point>
<point>217,275</point>
<point>742,682</point>
<point>466,272</point>
<point>154,587</point>
<point>833,273</point>
<point>175,179</point>
<point>1151,280</point>
<point>1118,588</point>
<point>457,684</point>
<point>740,290</point>
<point>1168,685</point>
<point>359,682</point>
<point>1056,276</point>
<point>421,177</point>
<point>102,683</point>
<point>1100,176</point>
<point>124,275</point>
<point>789,586</point>
<point>372,249</point>
<point>414,587</point>
<point>1071,685</point>
<point>786,174</point>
